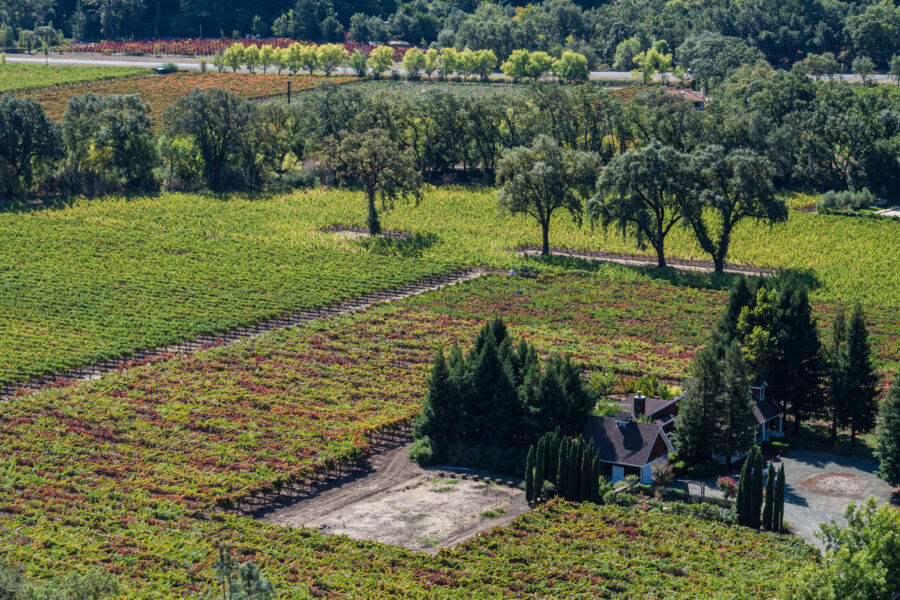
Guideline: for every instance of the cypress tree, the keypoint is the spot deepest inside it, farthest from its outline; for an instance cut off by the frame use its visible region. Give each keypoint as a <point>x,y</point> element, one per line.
<point>778,512</point>
<point>740,502</point>
<point>595,481</point>
<point>836,400</point>
<point>562,471</point>
<point>539,466</point>
<point>768,511</point>
<point>756,490</point>
<point>529,475</point>
<point>858,373</point>
<point>574,470</point>
<point>586,471</point>
<point>887,446</point>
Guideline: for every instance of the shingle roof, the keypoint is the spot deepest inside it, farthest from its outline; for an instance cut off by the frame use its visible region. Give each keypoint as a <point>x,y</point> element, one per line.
<point>628,445</point>
<point>765,410</point>
<point>652,405</point>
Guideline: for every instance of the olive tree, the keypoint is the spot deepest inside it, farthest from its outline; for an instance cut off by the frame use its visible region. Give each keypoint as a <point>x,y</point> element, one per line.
<point>537,180</point>
<point>371,159</point>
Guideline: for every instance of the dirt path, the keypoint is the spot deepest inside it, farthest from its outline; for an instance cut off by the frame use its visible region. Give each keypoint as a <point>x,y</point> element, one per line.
<point>201,342</point>
<point>397,502</point>
<point>704,266</point>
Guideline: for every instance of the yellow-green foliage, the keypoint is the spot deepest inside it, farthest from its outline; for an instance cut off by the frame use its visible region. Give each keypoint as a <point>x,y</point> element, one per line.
<point>15,77</point>
<point>105,277</point>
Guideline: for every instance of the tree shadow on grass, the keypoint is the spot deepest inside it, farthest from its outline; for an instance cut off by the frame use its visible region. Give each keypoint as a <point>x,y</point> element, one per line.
<point>412,246</point>
<point>676,276</point>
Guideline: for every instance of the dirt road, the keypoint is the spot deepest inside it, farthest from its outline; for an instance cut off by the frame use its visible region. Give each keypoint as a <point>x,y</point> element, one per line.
<point>400,503</point>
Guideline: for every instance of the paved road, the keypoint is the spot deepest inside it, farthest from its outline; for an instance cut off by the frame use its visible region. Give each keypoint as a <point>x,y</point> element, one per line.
<point>185,62</point>
<point>805,509</point>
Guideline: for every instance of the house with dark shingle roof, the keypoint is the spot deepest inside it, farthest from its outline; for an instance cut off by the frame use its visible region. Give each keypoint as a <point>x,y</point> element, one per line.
<point>633,447</point>
<point>769,414</point>
<point>628,447</point>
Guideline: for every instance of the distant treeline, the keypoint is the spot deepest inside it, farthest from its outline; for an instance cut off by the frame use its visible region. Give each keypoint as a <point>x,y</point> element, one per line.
<point>783,32</point>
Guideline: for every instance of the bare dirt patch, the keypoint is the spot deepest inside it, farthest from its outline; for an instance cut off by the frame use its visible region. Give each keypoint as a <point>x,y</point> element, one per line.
<point>349,232</point>
<point>705,266</point>
<point>839,485</point>
<point>400,503</point>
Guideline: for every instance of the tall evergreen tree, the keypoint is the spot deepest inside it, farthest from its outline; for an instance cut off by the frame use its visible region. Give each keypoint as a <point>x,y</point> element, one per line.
<point>574,471</point>
<point>495,407</point>
<point>586,471</point>
<point>529,476</point>
<point>858,374</point>
<point>756,488</point>
<point>737,428</point>
<point>887,446</point>
<point>837,403</point>
<point>778,512</point>
<point>439,417</point>
<point>780,341</point>
<point>739,297</point>
<point>699,410</point>
<point>742,501</point>
<point>562,471</point>
<point>768,511</point>
<point>540,456</point>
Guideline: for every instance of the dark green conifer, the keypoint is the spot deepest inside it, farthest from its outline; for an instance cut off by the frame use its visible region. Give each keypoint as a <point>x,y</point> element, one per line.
<point>529,475</point>
<point>756,490</point>
<point>778,509</point>
<point>887,446</point>
<point>769,510</point>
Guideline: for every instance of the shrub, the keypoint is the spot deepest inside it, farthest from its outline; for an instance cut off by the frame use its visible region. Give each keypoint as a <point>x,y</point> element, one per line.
<point>845,200</point>
<point>727,486</point>
<point>422,451</point>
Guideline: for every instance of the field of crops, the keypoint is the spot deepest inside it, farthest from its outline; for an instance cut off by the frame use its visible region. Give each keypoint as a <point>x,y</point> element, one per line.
<point>160,91</point>
<point>415,90</point>
<point>120,472</point>
<point>15,77</point>
<point>105,277</point>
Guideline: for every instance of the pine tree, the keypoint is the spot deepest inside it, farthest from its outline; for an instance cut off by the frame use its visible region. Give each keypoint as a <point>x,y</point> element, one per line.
<point>699,410</point>
<point>496,413</point>
<point>756,489</point>
<point>529,475</point>
<point>768,511</point>
<point>780,340</point>
<point>858,373</point>
<point>737,428</point>
<point>778,513</point>
<point>439,419</point>
<point>887,446</point>
<point>739,297</point>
